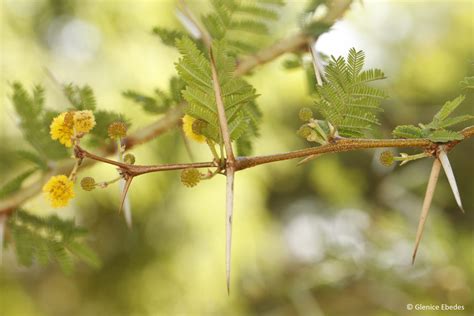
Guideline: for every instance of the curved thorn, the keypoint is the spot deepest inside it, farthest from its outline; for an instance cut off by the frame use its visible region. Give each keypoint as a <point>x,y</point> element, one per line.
<point>426,204</point>
<point>450,175</point>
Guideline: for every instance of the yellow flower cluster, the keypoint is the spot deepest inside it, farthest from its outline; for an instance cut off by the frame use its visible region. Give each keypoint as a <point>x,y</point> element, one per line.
<point>63,126</point>
<point>84,121</point>
<point>59,190</point>
<point>189,129</point>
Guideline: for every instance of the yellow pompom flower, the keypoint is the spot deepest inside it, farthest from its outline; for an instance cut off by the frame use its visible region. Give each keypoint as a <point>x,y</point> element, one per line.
<point>189,128</point>
<point>59,190</point>
<point>84,121</point>
<point>61,130</point>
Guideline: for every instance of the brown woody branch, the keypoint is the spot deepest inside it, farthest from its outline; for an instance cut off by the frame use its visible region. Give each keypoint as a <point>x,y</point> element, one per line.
<point>241,163</point>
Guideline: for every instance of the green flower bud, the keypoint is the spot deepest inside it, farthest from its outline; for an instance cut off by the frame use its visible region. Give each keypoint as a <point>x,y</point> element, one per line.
<point>88,183</point>
<point>386,158</point>
<point>190,177</point>
<point>305,131</point>
<point>305,114</point>
<point>129,158</point>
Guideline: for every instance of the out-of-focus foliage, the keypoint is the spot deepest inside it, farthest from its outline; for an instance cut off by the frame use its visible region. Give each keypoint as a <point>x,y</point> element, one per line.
<point>330,237</point>
<point>46,239</point>
<point>241,23</point>
<point>237,95</point>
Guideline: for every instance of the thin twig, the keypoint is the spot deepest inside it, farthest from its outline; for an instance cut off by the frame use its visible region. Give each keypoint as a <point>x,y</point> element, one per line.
<point>348,144</point>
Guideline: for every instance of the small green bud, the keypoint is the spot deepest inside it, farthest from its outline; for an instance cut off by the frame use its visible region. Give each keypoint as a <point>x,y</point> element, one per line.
<point>117,130</point>
<point>305,131</point>
<point>386,158</point>
<point>305,114</point>
<point>129,158</point>
<point>190,177</point>
<point>88,183</point>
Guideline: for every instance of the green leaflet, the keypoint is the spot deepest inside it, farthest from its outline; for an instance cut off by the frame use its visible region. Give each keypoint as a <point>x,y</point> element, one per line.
<point>33,158</point>
<point>443,136</point>
<point>468,83</point>
<point>167,36</point>
<point>15,184</point>
<point>48,239</point>
<point>162,101</point>
<point>238,96</point>
<point>242,23</point>
<point>81,98</point>
<point>446,110</point>
<point>436,130</point>
<point>35,120</point>
<point>407,131</point>
<point>345,99</point>
<point>442,120</point>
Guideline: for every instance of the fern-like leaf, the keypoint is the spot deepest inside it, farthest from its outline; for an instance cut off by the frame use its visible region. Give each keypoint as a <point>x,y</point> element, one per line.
<point>167,36</point>
<point>345,100</point>
<point>162,100</point>
<point>81,98</point>
<point>15,184</point>
<point>33,158</point>
<point>444,136</point>
<point>34,121</point>
<point>407,131</point>
<point>242,23</point>
<point>48,239</point>
<point>436,130</point>
<point>238,96</point>
<point>468,83</point>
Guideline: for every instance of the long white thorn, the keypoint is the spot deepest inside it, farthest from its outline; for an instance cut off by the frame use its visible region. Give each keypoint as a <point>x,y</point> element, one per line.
<point>450,175</point>
<point>229,214</point>
<point>426,204</point>
<point>127,209</point>
<point>3,220</point>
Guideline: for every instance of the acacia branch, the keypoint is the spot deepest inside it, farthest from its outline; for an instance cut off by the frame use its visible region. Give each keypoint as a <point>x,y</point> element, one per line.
<point>349,144</point>
<point>167,122</point>
<point>172,117</point>
<point>339,145</point>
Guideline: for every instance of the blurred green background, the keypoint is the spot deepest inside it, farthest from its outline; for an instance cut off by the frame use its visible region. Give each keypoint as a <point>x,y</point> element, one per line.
<point>331,237</point>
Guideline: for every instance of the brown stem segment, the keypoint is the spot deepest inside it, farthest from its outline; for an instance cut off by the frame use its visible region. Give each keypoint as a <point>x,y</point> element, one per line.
<point>340,145</point>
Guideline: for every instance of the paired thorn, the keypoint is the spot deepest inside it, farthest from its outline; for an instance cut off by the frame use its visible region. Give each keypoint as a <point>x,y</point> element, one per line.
<point>451,179</point>
<point>440,161</point>
<point>426,204</point>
